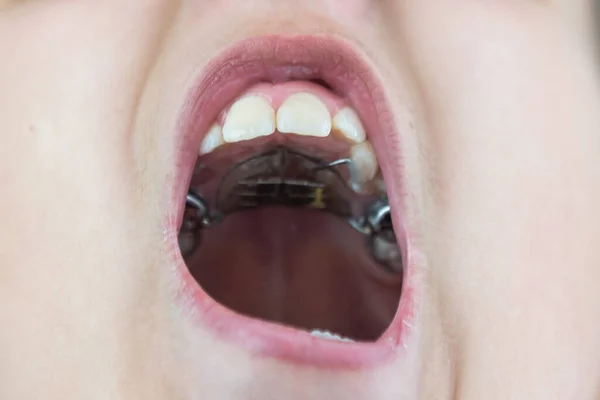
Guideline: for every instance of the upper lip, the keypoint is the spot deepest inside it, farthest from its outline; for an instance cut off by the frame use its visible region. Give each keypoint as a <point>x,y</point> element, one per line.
<point>279,58</point>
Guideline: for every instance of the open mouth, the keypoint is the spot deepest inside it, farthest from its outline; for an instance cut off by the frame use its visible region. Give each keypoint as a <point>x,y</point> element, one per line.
<point>288,226</point>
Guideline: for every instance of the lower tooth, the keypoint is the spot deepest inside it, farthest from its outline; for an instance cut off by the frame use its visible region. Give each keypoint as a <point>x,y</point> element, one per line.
<point>330,336</point>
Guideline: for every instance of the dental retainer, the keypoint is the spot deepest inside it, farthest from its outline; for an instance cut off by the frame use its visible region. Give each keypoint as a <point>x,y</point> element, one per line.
<point>286,177</point>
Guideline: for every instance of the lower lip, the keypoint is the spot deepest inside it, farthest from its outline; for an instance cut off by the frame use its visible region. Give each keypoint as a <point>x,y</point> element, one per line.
<point>218,88</point>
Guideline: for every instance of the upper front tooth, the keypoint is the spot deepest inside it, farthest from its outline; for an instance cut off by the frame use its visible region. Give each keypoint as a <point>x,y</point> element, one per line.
<point>212,140</point>
<point>348,122</point>
<point>249,117</point>
<point>304,114</point>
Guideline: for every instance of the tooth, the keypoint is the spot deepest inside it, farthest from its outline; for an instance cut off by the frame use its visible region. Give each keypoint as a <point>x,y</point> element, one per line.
<point>329,335</point>
<point>380,184</point>
<point>348,123</point>
<point>212,140</point>
<point>364,163</point>
<point>304,114</point>
<point>248,118</point>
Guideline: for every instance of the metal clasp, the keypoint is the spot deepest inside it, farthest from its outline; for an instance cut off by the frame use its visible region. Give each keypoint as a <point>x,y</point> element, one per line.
<point>381,240</point>
<point>197,216</point>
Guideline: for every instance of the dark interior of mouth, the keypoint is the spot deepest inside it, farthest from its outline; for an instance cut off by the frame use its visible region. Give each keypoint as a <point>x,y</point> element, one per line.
<point>297,266</point>
<point>304,268</point>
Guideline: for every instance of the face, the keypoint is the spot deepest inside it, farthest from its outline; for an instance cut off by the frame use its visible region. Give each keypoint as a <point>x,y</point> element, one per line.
<point>305,200</point>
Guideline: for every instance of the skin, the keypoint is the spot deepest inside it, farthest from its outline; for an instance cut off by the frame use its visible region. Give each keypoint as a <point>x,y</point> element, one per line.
<point>501,170</point>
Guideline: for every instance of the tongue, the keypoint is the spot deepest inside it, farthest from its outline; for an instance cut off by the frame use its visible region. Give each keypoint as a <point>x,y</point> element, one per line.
<point>303,268</point>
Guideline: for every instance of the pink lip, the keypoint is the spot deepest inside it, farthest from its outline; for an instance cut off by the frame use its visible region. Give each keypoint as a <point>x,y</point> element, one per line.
<point>277,58</point>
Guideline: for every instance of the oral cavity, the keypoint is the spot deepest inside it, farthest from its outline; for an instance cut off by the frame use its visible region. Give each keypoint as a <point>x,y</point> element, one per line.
<point>292,113</point>
<point>294,259</point>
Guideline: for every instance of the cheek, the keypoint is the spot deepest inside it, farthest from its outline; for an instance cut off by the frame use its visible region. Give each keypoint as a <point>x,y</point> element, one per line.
<point>511,117</point>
